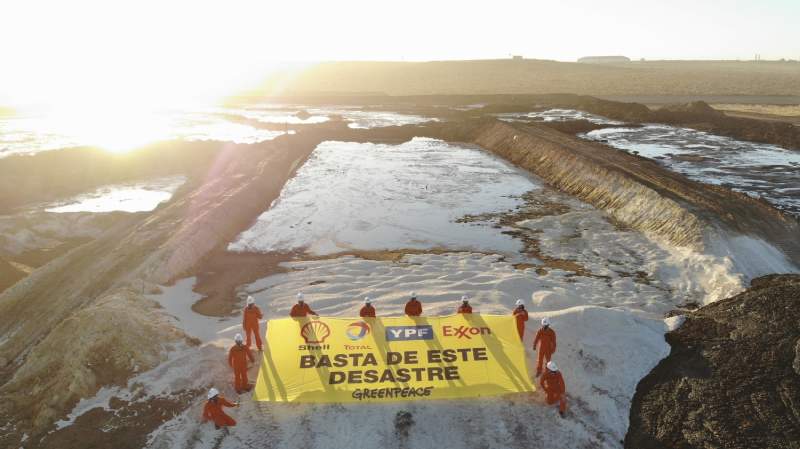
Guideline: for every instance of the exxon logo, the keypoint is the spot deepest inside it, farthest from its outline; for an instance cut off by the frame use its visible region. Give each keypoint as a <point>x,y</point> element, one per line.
<point>465,331</point>
<point>404,333</point>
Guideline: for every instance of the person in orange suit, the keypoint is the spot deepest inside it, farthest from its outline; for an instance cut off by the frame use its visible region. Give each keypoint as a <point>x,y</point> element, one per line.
<point>250,318</point>
<point>213,410</point>
<point>546,339</point>
<point>522,316</point>
<point>553,385</point>
<point>413,307</point>
<point>464,307</point>
<point>237,359</point>
<point>367,311</point>
<point>301,309</point>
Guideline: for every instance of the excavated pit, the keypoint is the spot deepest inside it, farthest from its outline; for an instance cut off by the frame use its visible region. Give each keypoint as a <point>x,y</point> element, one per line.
<point>188,235</point>
<point>638,192</point>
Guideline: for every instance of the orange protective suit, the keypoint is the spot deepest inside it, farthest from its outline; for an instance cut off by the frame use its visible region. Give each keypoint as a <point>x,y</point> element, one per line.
<point>300,310</point>
<point>546,339</point>
<point>413,307</point>
<point>464,308</point>
<point>367,311</point>
<point>213,412</point>
<point>237,359</point>
<point>522,316</point>
<point>555,391</point>
<point>250,318</point>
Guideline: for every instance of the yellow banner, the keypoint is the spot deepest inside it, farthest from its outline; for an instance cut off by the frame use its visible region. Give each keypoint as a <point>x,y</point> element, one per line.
<point>391,359</point>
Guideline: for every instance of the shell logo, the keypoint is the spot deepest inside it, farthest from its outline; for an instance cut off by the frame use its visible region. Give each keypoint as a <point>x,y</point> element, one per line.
<point>357,330</point>
<point>315,332</point>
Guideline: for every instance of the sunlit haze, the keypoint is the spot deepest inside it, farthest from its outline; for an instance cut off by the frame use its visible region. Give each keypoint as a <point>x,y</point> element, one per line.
<point>155,52</point>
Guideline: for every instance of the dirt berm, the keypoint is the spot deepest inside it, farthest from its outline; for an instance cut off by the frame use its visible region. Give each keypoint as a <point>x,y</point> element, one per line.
<point>732,379</point>
<point>640,193</point>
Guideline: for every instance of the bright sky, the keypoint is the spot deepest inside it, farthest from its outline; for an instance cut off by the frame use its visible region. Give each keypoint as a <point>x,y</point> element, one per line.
<point>140,50</point>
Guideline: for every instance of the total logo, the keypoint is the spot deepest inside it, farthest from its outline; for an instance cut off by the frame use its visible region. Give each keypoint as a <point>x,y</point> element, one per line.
<point>465,331</point>
<point>357,330</point>
<point>405,333</point>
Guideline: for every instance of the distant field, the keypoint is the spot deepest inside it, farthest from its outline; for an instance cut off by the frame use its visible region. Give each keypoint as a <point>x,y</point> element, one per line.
<point>768,109</point>
<point>657,78</point>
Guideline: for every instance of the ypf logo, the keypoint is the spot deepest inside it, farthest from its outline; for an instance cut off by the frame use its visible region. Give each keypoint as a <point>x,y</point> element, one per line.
<point>315,332</point>
<point>357,330</point>
<point>404,333</point>
<point>465,331</point>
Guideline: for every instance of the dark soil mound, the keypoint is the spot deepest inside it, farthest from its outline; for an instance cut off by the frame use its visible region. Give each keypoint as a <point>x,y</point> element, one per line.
<point>732,379</point>
<point>700,108</point>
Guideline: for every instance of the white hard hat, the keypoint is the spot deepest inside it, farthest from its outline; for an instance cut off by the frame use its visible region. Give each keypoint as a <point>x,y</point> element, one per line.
<point>545,321</point>
<point>250,300</point>
<point>213,393</point>
<point>551,365</point>
<point>413,294</point>
<point>301,296</point>
<point>520,302</point>
<point>238,338</point>
<point>464,298</point>
<point>367,300</point>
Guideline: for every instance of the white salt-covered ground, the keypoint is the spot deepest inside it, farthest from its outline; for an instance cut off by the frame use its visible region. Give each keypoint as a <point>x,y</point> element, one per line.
<point>371,197</point>
<point>603,352</point>
<point>131,197</point>
<point>354,115</point>
<point>35,133</point>
<point>556,115</point>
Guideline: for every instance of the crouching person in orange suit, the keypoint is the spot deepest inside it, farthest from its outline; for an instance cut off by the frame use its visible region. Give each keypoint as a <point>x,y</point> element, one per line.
<point>213,410</point>
<point>368,311</point>
<point>553,385</point>
<point>413,306</point>
<point>464,307</point>
<point>546,340</point>
<point>301,309</point>
<point>237,359</point>
<point>250,318</point>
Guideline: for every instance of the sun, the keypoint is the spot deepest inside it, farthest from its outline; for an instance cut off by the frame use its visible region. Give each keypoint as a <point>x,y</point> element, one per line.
<point>114,129</point>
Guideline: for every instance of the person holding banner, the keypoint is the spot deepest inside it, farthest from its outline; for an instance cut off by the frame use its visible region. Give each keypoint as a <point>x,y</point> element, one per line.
<point>546,339</point>
<point>464,307</point>
<point>237,359</point>
<point>522,316</point>
<point>553,385</point>
<point>212,411</point>
<point>413,307</point>
<point>367,311</point>
<point>301,309</point>
<point>250,318</point>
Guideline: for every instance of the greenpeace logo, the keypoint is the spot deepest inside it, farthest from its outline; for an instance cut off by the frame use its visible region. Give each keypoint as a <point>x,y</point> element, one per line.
<point>405,333</point>
<point>465,331</point>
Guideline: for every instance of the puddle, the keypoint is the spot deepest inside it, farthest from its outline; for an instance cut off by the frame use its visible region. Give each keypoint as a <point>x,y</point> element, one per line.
<point>757,169</point>
<point>132,197</point>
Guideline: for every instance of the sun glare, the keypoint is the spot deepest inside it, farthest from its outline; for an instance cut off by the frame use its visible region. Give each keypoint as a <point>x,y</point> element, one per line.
<point>113,129</point>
